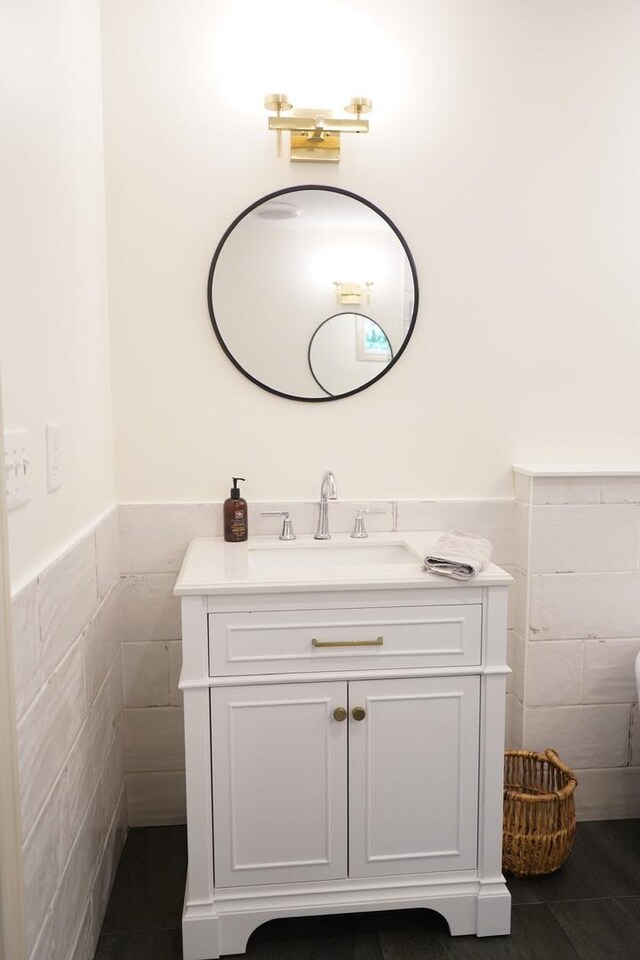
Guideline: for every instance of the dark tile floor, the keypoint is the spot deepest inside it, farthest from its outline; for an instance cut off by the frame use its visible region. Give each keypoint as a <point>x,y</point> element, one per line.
<point>589,910</point>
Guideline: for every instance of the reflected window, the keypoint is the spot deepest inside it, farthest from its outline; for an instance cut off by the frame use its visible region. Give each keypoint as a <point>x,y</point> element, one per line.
<point>371,341</point>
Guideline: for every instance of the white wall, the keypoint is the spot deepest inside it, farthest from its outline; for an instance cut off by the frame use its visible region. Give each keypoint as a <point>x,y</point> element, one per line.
<point>505,146</point>
<point>54,342</point>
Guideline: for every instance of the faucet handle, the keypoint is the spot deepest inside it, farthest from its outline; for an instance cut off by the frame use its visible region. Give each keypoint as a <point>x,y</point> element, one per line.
<point>287,532</point>
<point>359,531</point>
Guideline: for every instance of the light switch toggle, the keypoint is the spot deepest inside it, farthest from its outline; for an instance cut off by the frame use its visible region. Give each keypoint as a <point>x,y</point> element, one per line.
<point>16,467</point>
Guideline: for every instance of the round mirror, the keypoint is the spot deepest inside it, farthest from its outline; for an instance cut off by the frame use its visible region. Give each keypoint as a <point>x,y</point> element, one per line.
<point>348,351</point>
<point>313,293</point>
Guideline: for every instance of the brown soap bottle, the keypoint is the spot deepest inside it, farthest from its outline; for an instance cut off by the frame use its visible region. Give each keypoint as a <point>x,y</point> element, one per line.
<point>236,520</point>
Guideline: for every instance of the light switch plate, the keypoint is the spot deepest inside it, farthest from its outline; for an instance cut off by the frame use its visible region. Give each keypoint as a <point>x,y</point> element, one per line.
<point>17,467</point>
<point>54,479</point>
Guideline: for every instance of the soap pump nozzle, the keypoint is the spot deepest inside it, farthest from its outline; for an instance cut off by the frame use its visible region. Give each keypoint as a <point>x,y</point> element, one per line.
<point>235,490</point>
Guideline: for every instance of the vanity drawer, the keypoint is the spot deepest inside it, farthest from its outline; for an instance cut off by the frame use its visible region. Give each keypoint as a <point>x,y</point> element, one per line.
<point>288,641</point>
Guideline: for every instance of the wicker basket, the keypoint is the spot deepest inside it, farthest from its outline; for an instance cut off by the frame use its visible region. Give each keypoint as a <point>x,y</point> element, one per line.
<point>539,812</point>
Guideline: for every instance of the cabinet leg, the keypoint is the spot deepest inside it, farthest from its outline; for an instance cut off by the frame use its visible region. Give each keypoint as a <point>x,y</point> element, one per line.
<point>494,910</point>
<point>208,936</point>
<point>200,929</point>
<point>199,941</point>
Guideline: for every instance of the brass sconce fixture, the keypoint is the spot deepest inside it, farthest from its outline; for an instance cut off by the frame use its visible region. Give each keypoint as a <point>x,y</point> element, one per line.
<point>316,136</point>
<point>353,292</point>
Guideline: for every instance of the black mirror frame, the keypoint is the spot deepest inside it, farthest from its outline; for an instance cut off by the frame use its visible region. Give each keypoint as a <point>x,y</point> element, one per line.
<point>346,313</point>
<point>216,329</point>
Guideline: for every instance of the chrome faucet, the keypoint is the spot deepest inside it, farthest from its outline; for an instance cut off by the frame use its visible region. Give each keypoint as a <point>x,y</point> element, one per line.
<point>328,491</point>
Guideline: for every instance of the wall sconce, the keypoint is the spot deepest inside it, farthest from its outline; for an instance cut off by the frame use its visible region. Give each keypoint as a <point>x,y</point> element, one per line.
<point>352,292</point>
<point>315,137</point>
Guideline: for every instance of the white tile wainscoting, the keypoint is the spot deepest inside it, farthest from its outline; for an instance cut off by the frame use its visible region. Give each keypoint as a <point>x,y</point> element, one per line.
<point>66,631</point>
<point>97,636</point>
<point>577,629</point>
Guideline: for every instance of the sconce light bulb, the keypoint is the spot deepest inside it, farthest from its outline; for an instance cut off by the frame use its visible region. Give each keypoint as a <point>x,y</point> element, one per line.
<point>277,102</point>
<point>359,105</point>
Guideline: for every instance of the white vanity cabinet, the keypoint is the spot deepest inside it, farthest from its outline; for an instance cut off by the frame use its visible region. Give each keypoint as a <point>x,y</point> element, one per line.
<point>344,748</point>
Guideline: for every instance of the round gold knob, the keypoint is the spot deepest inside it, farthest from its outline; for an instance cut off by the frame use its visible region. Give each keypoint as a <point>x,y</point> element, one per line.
<point>358,713</point>
<point>339,714</point>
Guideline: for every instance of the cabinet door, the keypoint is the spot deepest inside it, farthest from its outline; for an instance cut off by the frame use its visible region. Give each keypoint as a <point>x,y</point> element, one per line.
<point>413,780</point>
<point>279,783</point>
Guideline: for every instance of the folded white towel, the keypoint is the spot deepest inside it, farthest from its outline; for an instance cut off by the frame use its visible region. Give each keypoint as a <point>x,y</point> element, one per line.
<point>459,555</point>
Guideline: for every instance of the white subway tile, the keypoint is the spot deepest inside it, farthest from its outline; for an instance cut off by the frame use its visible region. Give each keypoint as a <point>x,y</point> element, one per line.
<point>175,666</point>
<point>511,602</point>
<point>85,945</point>
<point>516,649</point>
<point>518,599</point>
<point>554,672</point>
<point>566,490</point>
<point>46,732</point>
<point>635,736</point>
<point>584,736</point>
<point>68,598</point>
<point>513,728</point>
<point>45,948</point>
<point>149,609</point>
<point>102,639</point>
<point>154,739</point>
<point>107,552</point>
<point>83,770</point>
<point>108,864</point>
<point>156,799</point>
<point>566,606</point>
<point>585,539</point>
<point>154,537</point>
<point>116,695</point>
<point>112,776</point>
<point>609,671</point>
<point>621,490</point>
<point>74,890</point>
<point>608,794</point>
<point>492,519</point>
<point>25,634</point>
<point>522,487</point>
<point>145,670</point>
<point>522,514</point>
<point>45,853</point>
<point>89,752</point>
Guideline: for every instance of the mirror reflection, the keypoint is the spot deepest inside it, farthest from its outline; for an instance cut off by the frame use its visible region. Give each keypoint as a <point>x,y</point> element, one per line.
<point>348,350</point>
<point>313,293</point>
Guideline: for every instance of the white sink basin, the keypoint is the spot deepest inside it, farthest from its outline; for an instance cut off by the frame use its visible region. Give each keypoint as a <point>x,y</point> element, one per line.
<point>291,558</point>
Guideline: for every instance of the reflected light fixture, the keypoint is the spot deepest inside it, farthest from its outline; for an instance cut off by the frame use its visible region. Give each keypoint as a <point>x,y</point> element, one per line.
<point>353,292</point>
<point>315,134</point>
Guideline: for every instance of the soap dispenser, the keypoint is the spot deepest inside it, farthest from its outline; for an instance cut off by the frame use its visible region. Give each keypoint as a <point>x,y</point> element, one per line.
<point>236,521</point>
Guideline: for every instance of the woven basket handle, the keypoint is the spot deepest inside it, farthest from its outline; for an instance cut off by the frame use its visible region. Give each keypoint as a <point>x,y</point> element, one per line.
<point>551,755</point>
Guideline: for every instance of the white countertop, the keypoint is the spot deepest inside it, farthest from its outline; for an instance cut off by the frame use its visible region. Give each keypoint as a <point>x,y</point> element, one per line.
<point>212,566</point>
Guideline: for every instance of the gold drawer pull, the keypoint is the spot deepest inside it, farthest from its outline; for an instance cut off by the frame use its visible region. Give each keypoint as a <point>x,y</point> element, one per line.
<point>339,714</point>
<point>348,643</point>
<point>358,713</point>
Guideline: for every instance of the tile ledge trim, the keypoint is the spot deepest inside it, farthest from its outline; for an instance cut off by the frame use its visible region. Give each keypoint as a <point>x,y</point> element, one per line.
<point>82,533</point>
<point>577,470</point>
